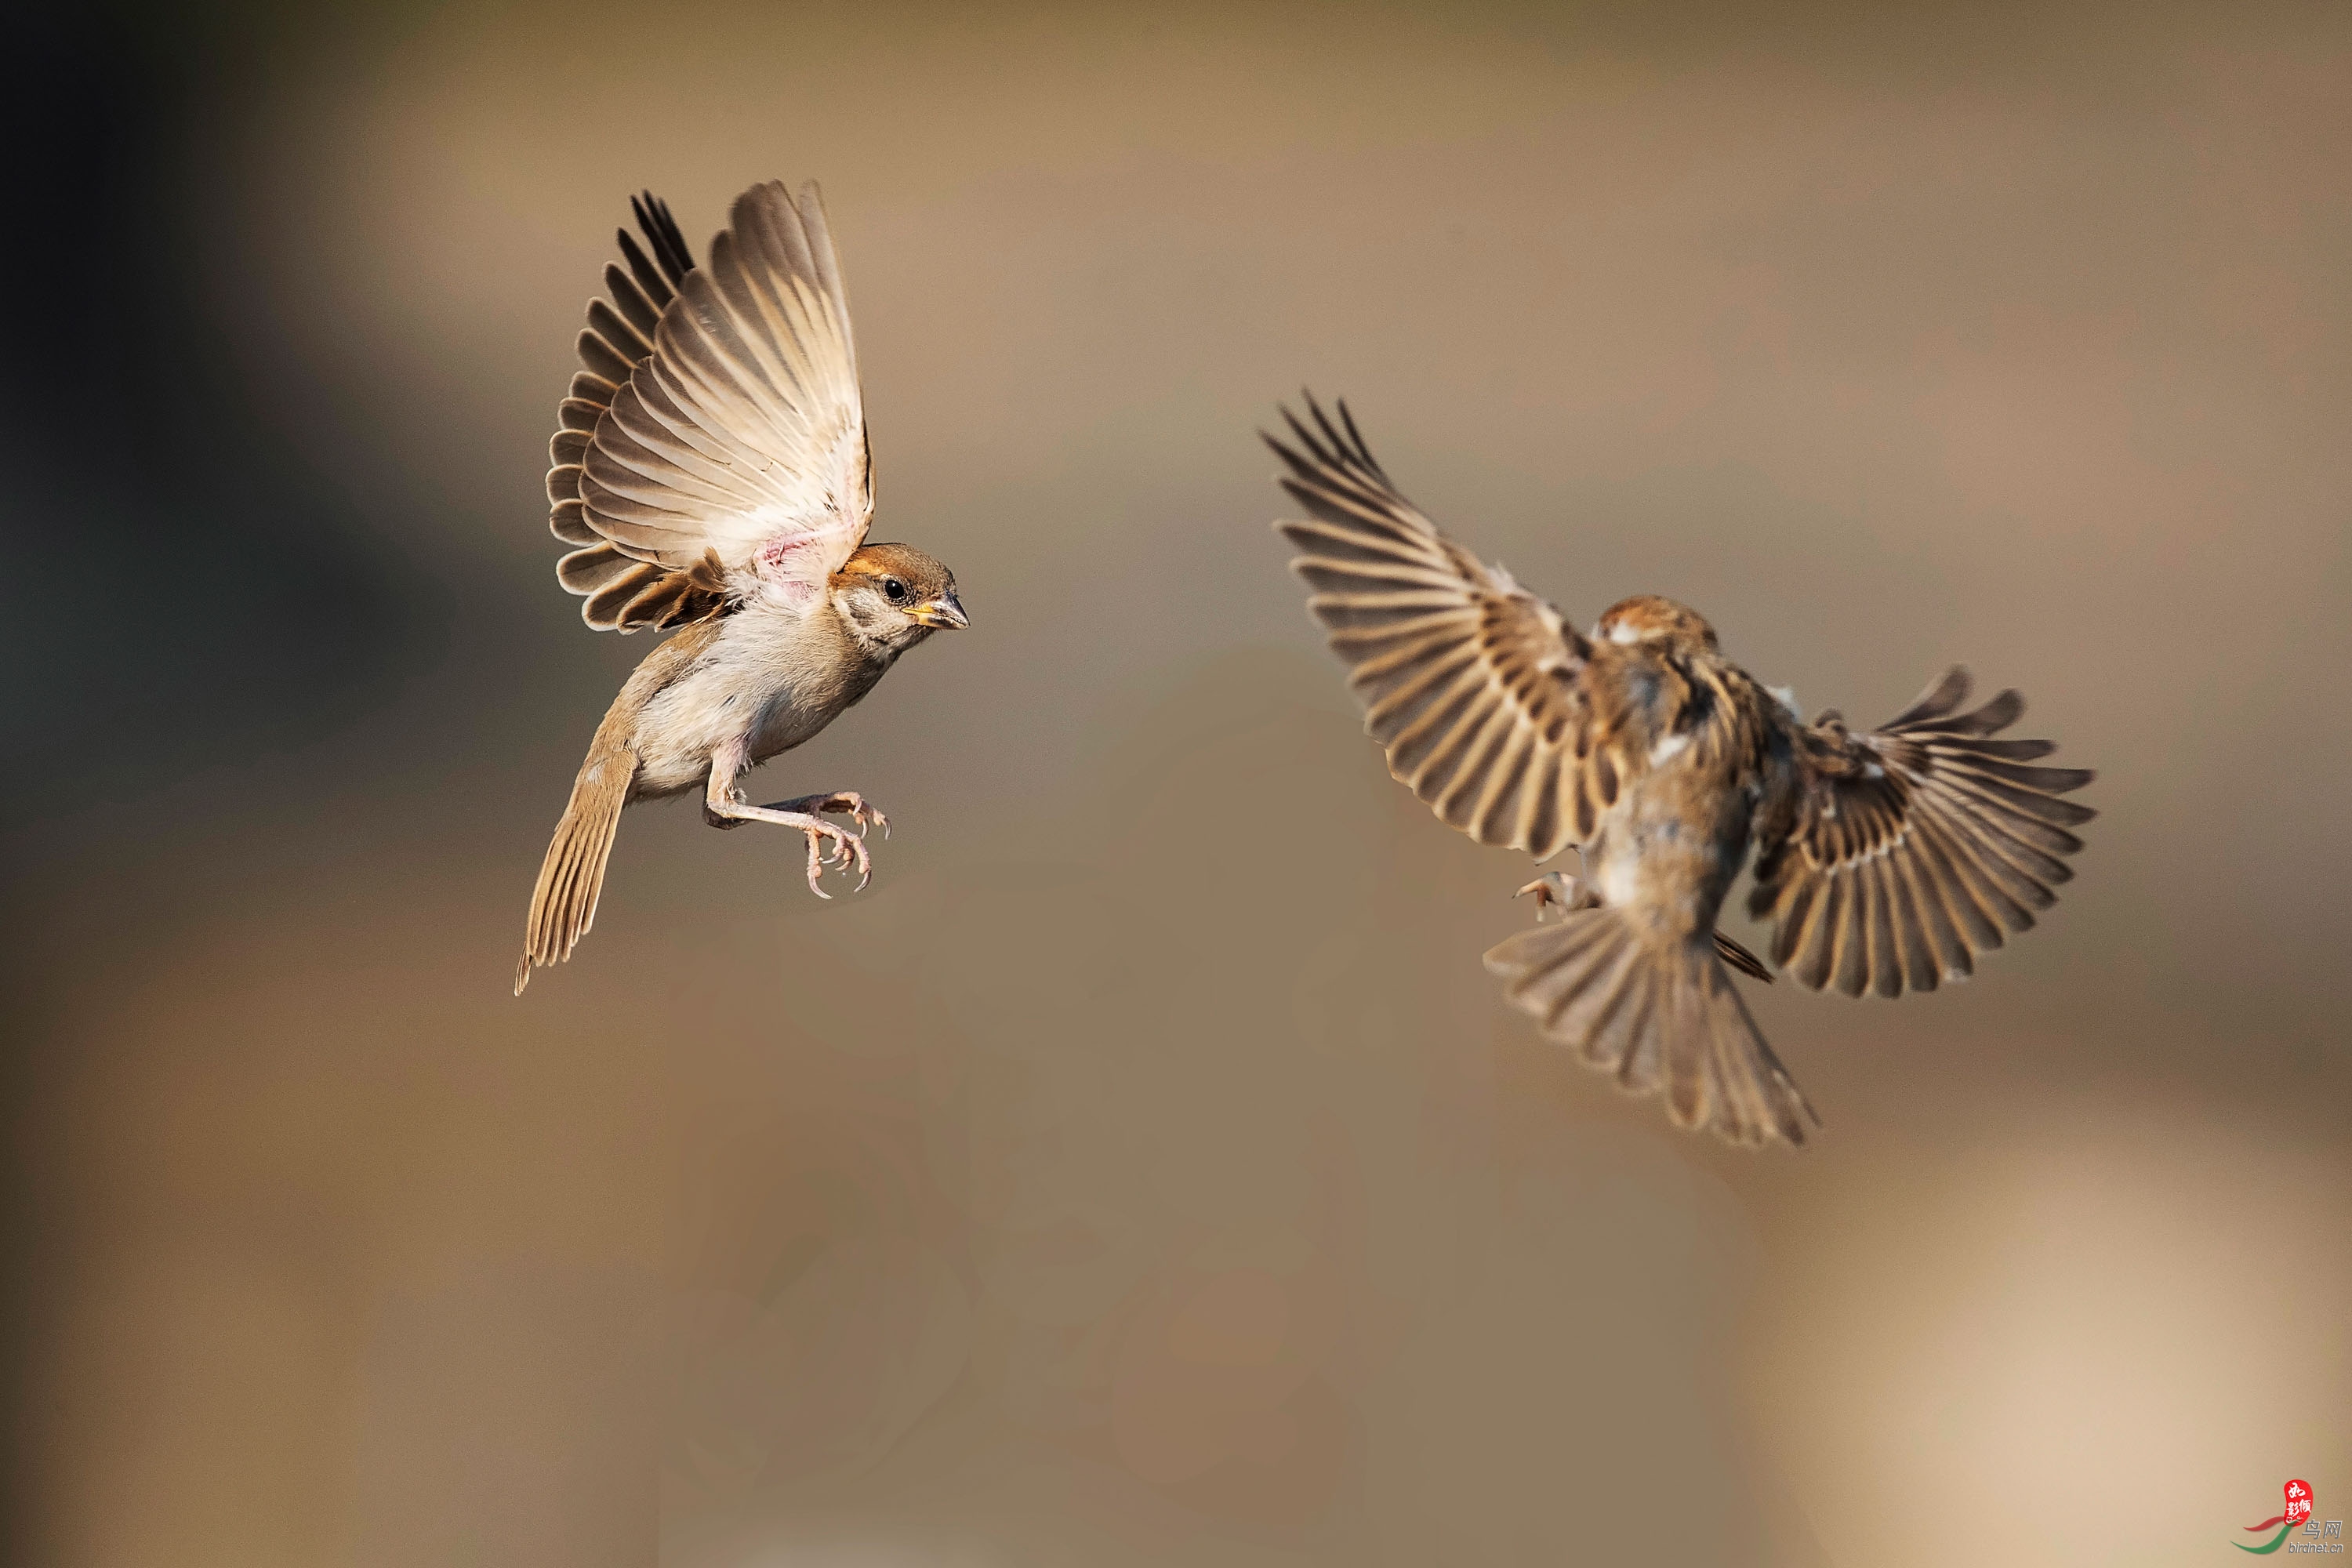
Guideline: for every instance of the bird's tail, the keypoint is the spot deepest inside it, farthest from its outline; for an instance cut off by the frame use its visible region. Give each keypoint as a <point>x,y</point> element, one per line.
<point>563,904</point>
<point>1653,1016</point>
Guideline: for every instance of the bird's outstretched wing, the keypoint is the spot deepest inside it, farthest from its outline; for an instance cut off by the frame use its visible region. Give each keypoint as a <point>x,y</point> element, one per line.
<point>623,593</point>
<point>1915,846</point>
<point>714,451</point>
<point>1477,689</point>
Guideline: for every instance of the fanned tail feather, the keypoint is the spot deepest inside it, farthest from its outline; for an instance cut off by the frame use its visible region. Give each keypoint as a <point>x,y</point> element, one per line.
<point>563,903</point>
<point>1656,1019</point>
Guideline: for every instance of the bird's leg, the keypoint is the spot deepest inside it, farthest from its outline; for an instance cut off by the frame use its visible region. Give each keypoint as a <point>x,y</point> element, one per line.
<point>1574,893</point>
<point>1560,888</point>
<point>722,806</point>
<point>846,802</point>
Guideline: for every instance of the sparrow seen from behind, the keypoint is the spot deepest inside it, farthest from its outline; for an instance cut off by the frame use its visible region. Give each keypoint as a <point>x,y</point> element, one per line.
<point>711,472</point>
<point>1886,859</point>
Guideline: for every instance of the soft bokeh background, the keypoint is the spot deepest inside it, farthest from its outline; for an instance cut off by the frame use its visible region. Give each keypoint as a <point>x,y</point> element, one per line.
<point>1142,1171</point>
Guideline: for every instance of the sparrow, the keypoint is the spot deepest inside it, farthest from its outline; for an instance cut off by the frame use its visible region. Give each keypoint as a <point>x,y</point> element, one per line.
<point>711,472</point>
<point>1886,858</point>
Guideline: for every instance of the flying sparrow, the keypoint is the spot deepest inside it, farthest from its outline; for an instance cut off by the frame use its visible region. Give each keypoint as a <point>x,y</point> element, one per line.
<point>1887,858</point>
<point>712,473</point>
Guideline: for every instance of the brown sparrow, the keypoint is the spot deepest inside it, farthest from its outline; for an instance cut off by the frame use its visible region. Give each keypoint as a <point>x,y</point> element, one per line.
<point>1886,858</point>
<point>712,472</point>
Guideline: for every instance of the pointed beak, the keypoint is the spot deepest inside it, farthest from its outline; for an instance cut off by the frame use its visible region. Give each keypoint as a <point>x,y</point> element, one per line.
<point>946,613</point>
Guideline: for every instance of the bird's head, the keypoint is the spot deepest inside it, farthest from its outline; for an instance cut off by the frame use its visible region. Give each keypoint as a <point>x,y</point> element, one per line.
<point>895,596</point>
<point>1647,618</point>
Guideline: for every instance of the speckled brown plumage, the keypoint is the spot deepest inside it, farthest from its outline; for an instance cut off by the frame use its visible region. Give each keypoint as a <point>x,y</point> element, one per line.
<point>1886,859</point>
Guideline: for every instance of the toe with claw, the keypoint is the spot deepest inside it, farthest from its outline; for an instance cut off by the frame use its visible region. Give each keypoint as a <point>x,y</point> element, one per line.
<point>830,845</point>
<point>1560,888</point>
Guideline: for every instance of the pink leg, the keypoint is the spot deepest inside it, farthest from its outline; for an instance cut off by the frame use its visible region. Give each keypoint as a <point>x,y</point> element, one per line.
<point>840,803</point>
<point>722,806</point>
<point>1560,888</point>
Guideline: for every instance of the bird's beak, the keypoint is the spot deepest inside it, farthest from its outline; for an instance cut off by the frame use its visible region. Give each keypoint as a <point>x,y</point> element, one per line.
<point>945,612</point>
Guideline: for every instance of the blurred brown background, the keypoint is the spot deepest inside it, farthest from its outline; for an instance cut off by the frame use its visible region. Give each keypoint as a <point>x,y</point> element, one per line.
<point>1143,1171</point>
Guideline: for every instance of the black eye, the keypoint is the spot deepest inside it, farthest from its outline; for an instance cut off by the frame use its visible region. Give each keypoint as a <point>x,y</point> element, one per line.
<point>893,590</point>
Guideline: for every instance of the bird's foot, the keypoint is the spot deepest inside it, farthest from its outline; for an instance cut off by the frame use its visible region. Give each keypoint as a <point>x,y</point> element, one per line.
<point>1560,888</point>
<point>847,803</point>
<point>845,849</point>
<point>827,844</point>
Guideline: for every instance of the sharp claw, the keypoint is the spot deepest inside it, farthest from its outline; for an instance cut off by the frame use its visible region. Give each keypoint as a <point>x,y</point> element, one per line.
<point>832,847</point>
<point>1557,888</point>
<point>816,865</point>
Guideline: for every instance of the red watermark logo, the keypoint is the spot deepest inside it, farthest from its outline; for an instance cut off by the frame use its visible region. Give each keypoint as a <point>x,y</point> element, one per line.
<point>2298,1512</point>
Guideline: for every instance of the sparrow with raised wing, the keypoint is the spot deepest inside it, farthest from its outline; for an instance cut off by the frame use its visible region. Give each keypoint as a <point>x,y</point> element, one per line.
<point>711,473</point>
<point>1886,858</point>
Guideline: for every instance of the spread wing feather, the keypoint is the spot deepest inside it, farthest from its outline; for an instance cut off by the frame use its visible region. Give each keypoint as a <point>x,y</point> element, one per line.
<point>621,594</point>
<point>713,448</point>
<point>1476,687</point>
<point>1916,846</point>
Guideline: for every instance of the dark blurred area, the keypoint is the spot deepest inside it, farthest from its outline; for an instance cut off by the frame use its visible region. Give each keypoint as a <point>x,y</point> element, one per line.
<point>189,588</point>
<point>1142,1169</point>
<point>197,580</point>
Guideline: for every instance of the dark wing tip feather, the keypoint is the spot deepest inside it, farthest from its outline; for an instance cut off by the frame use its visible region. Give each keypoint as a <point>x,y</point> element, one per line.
<point>1989,718</point>
<point>661,231</point>
<point>1302,470</point>
<point>1347,440</point>
<point>1362,448</point>
<point>1308,439</point>
<point>2000,713</point>
<point>1341,446</point>
<point>1944,694</point>
<point>1323,423</point>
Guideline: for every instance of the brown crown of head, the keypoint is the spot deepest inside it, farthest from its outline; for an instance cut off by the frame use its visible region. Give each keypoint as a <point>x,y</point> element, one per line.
<point>908,580</point>
<point>924,577</point>
<point>1647,617</point>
